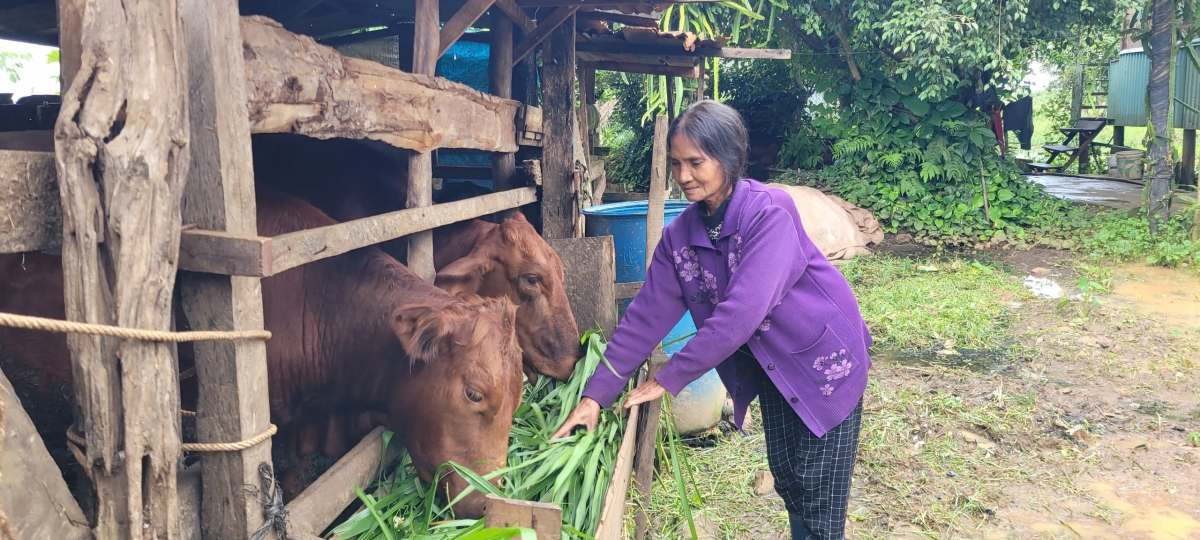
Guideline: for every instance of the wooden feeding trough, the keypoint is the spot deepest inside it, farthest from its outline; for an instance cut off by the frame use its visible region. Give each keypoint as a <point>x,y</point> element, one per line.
<point>160,100</point>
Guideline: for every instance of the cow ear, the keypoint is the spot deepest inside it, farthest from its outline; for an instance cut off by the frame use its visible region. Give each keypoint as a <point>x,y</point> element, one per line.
<point>464,275</point>
<point>423,332</point>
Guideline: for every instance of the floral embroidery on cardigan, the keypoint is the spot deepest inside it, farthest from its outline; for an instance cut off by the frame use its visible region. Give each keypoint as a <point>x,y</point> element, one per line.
<point>735,253</point>
<point>765,325</point>
<point>708,288</point>
<point>688,264</point>
<point>833,369</point>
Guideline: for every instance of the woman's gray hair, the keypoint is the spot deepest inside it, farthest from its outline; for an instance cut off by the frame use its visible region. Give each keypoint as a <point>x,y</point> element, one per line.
<point>718,131</point>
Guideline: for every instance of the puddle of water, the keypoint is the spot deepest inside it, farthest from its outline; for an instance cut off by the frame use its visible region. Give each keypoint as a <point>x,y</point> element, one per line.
<point>1152,518</point>
<point>1170,296</point>
<point>1075,529</point>
<point>1043,287</point>
<point>1108,193</point>
<point>988,361</point>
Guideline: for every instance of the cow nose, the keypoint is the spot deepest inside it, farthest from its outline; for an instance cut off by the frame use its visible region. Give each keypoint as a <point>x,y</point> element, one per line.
<point>471,506</point>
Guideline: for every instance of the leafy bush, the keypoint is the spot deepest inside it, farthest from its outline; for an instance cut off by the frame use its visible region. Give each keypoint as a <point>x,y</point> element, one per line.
<point>630,140</point>
<point>1125,236</point>
<point>922,167</point>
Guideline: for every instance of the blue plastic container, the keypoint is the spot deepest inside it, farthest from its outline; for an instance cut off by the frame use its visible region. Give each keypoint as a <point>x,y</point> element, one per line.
<point>698,407</point>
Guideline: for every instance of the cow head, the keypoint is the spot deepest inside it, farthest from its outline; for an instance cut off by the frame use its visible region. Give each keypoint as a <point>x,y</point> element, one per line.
<point>456,399</point>
<point>512,260</point>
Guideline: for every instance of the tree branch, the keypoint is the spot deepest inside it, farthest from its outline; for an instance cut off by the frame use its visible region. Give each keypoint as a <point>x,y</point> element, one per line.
<point>841,35</point>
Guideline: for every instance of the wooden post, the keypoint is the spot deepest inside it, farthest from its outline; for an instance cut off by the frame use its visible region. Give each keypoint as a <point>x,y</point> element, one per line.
<point>500,78</point>
<point>650,411</point>
<point>560,202</point>
<point>1188,166</point>
<point>1118,135</point>
<point>544,519</point>
<point>70,24</point>
<point>120,207</point>
<point>232,376</point>
<point>426,40</point>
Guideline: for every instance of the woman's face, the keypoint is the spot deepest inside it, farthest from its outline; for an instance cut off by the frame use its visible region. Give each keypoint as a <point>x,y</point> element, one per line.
<point>698,175</point>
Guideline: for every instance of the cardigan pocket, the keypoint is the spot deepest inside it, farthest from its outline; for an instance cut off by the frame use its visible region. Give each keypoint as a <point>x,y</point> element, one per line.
<point>828,362</point>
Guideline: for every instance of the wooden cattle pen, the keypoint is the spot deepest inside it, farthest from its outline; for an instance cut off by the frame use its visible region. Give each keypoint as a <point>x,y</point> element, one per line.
<point>146,182</point>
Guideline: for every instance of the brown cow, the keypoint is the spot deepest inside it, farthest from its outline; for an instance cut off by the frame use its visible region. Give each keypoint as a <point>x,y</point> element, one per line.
<point>352,334</point>
<point>350,179</point>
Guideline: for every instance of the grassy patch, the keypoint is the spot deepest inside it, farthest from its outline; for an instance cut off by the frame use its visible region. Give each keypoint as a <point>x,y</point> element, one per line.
<point>922,303</point>
<point>1120,236</point>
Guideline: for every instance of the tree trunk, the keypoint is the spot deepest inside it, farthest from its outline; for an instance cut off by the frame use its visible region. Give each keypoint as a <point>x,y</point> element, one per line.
<point>1159,95</point>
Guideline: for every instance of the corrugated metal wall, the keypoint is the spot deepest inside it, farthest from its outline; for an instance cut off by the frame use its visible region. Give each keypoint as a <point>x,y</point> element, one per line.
<point>1127,80</point>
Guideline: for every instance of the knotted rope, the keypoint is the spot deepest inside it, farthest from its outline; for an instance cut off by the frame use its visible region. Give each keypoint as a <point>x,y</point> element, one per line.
<point>70,327</point>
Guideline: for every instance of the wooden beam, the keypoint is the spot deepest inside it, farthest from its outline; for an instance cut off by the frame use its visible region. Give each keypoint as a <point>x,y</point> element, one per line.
<point>590,268</point>
<point>611,524</point>
<point>120,191</point>
<point>673,50</point>
<point>560,200</point>
<point>500,76</point>
<point>219,197</point>
<point>313,510</point>
<point>518,16</point>
<point>658,187</point>
<point>647,59</point>
<point>298,86</point>
<point>222,253</point>
<point>420,165</point>
<point>458,24</point>
<point>644,21</point>
<point>70,24</point>
<point>544,28</point>
<point>545,519</point>
<point>643,463</point>
<point>30,210</point>
<point>302,247</point>
<point>648,69</point>
<point>33,493</point>
<point>626,291</point>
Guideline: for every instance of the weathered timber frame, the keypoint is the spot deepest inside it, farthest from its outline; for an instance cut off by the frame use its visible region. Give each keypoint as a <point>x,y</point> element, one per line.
<point>183,157</point>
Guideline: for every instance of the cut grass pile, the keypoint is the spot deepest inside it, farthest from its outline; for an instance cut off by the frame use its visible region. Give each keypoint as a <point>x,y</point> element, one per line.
<point>572,472</point>
<point>920,304</point>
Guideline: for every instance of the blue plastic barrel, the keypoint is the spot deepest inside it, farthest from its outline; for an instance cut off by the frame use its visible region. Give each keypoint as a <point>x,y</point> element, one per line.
<point>698,407</point>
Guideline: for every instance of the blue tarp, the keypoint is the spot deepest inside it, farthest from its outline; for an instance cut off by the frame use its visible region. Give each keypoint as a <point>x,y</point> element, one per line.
<point>465,62</point>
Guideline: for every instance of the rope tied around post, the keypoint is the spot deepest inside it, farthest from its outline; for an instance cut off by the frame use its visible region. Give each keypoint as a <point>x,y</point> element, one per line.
<point>70,327</point>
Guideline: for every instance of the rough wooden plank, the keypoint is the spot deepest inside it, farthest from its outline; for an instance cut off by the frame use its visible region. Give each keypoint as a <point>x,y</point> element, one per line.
<point>673,50</point>
<point>500,76</point>
<point>644,21</point>
<point>323,500</point>
<point>530,130</point>
<point>30,210</point>
<point>232,376</point>
<point>544,28</point>
<point>420,165</point>
<point>625,291</point>
<point>458,24</point>
<point>658,187</point>
<point>560,200</point>
<point>590,267</point>
<point>133,63</point>
<point>612,513</point>
<point>647,59</point>
<point>189,502</point>
<point>518,16</point>
<point>298,86</point>
<point>214,252</point>
<point>647,69</point>
<point>302,247</point>
<point>33,492</point>
<point>644,454</point>
<point>545,519</point>
<point>70,24</point>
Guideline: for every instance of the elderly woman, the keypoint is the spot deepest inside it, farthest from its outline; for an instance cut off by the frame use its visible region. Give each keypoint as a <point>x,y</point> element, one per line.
<point>774,318</point>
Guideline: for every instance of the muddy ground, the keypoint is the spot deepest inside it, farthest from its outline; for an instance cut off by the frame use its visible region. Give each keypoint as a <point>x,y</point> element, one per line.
<point>1085,426</point>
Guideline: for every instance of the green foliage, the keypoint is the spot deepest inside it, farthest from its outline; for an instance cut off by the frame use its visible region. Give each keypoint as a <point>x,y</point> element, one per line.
<point>11,62</point>
<point>631,140</point>
<point>922,166</point>
<point>1125,236</point>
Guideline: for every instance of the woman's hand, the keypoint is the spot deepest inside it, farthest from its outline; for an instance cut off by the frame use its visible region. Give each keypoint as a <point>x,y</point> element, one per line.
<point>648,391</point>
<point>586,414</point>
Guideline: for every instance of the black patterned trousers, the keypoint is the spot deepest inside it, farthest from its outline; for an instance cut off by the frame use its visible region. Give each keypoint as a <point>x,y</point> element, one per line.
<point>812,474</point>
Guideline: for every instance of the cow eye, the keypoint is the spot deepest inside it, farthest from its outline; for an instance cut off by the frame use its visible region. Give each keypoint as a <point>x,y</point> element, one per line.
<point>474,395</point>
<point>531,279</point>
